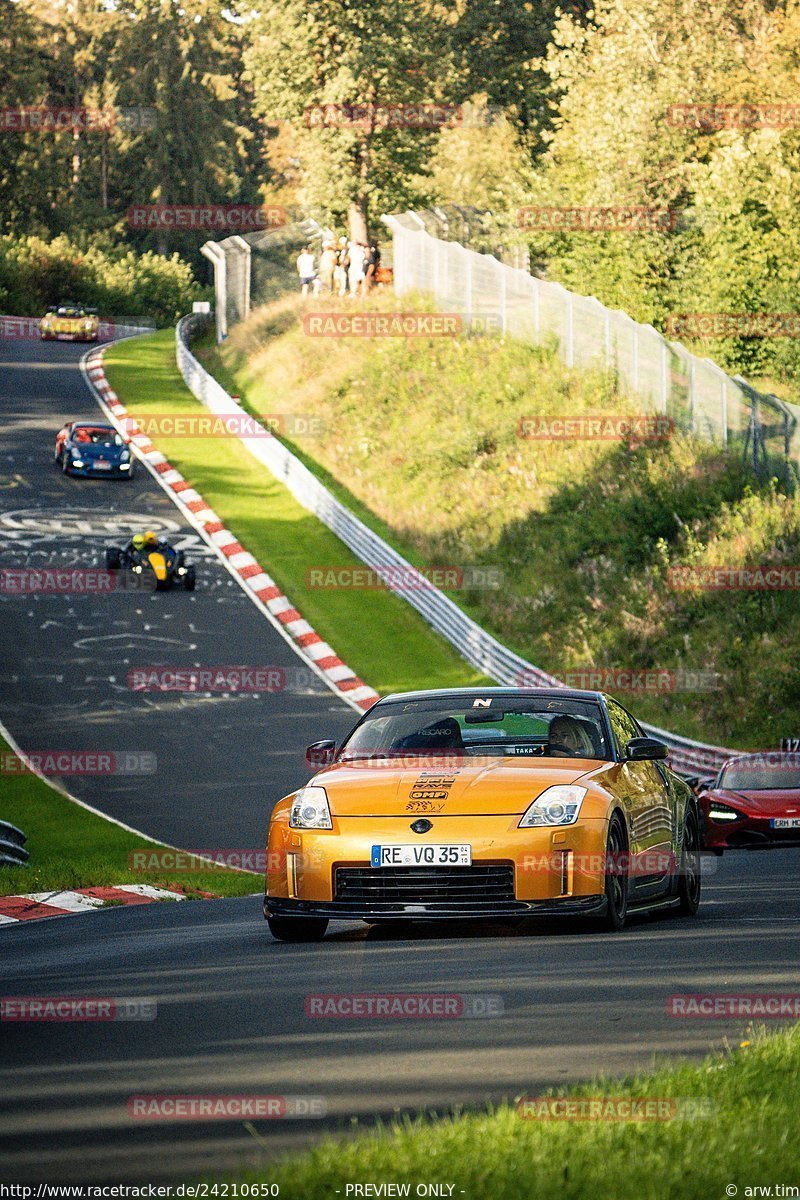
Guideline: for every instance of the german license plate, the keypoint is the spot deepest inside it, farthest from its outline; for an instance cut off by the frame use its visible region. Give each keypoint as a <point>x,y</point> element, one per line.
<point>102,466</point>
<point>422,856</point>
<point>785,823</point>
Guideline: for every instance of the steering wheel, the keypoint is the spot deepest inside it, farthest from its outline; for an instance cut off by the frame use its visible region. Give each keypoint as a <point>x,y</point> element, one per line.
<point>566,751</point>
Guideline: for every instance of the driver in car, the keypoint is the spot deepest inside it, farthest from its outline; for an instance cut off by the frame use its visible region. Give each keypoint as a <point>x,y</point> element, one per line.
<point>567,739</point>
<point>145,543</point>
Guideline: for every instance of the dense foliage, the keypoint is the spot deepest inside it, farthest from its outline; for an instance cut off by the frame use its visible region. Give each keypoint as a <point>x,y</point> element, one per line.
<point>124,286</point>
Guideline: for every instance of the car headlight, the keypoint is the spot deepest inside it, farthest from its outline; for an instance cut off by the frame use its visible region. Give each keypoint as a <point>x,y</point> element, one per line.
<point>721,812</point>
<point>558,805</point>
<point>310,810</point>
<point>124,455</point>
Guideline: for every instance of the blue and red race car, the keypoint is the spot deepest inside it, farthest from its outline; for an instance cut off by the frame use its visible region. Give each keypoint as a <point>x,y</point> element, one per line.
<point>86,448</point>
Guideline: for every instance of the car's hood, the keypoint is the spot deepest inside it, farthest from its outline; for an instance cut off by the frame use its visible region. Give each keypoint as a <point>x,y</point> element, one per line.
<point>776,802</point>
<point>92,450</point>
<point>466,787</point>
<point>71,324</point>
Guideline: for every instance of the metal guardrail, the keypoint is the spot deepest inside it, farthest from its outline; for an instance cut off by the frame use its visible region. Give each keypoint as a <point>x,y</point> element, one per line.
<point>12,846</point>
<point>473,643</point>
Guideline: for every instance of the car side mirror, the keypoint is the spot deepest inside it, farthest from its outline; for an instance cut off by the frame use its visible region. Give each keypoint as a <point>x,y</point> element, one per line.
<point>320,754</point>
<point>643,748</point>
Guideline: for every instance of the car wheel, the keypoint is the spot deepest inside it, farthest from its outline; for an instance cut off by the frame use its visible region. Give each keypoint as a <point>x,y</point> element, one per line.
<point>616,888</point>
<point>65,464</point>
<point>113,558</point>
<point>190,579</point>
<point>297,929</point>
<point>689,878</point>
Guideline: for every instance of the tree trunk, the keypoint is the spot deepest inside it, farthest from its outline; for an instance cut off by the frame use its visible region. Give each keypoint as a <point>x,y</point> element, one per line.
<point>357,220</point>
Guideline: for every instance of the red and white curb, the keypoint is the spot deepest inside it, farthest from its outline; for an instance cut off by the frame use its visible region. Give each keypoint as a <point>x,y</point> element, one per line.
<point>35,905</point>
<point>244,566</point>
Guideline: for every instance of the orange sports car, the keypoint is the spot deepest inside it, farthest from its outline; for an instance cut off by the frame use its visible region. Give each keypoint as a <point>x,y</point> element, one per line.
<point>498,804</point>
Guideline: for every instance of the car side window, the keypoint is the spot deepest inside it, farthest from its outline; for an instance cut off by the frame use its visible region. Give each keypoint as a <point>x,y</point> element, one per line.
<point>622,724</point>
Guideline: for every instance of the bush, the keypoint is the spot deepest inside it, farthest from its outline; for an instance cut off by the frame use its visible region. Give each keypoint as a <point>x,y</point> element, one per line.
<point>119,282</point>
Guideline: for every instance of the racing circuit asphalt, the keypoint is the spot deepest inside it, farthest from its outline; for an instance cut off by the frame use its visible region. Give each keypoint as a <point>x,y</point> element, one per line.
<point>230,1000</point>
<point>221,761</point>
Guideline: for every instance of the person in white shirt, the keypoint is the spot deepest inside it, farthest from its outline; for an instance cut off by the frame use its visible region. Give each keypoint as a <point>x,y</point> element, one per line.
<point>356,268</point>
<point>305,269</point>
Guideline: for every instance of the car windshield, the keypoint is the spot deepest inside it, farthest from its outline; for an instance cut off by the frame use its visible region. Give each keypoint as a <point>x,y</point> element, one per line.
<point>66,310</point>
<point>493,727</point>
<point>98,437</point>
<point>761,774</point>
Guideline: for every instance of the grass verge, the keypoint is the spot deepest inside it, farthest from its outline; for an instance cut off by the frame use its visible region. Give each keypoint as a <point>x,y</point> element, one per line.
<point>422,441</point>
<point>375,633</point>
<point>71,847</point>
<point>732,1123</point>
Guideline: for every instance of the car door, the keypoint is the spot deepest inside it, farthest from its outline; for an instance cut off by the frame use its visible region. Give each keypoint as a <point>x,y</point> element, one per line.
<point>647,797</point>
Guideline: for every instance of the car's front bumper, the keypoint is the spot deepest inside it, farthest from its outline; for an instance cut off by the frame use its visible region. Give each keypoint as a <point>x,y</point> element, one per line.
<point>114,471</point>
<point>514,872</point>
<point>55,335</point>
<point>569,906</point>
<point>751,833</point>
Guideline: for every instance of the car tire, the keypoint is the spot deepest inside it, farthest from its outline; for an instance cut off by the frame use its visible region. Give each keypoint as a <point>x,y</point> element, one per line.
<point>298,929</point>
<point>617,883</point>
<point>64,464</point>
<point>190,579</point>
<point>113,558</point>
<point>689,874</point>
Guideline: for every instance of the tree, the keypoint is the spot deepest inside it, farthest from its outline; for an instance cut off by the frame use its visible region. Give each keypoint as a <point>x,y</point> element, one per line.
<point>324,70</point>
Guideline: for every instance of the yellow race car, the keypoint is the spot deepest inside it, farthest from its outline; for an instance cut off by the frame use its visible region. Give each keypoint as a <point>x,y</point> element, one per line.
<point>69,322</point>
<point>498,804</point>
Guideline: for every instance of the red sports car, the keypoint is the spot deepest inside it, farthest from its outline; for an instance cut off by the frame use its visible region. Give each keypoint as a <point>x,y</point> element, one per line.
<point>753,802</point>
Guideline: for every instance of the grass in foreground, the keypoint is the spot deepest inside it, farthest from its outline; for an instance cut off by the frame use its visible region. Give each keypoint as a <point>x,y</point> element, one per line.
<point>738,1128</point>
<point>71,847</point>
<point>422,443</point>
<point>379,636</point>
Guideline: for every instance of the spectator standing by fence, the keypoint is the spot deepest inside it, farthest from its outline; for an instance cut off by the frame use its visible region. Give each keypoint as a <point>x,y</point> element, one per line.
<point>356,269</point>
<point>305,269</point>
